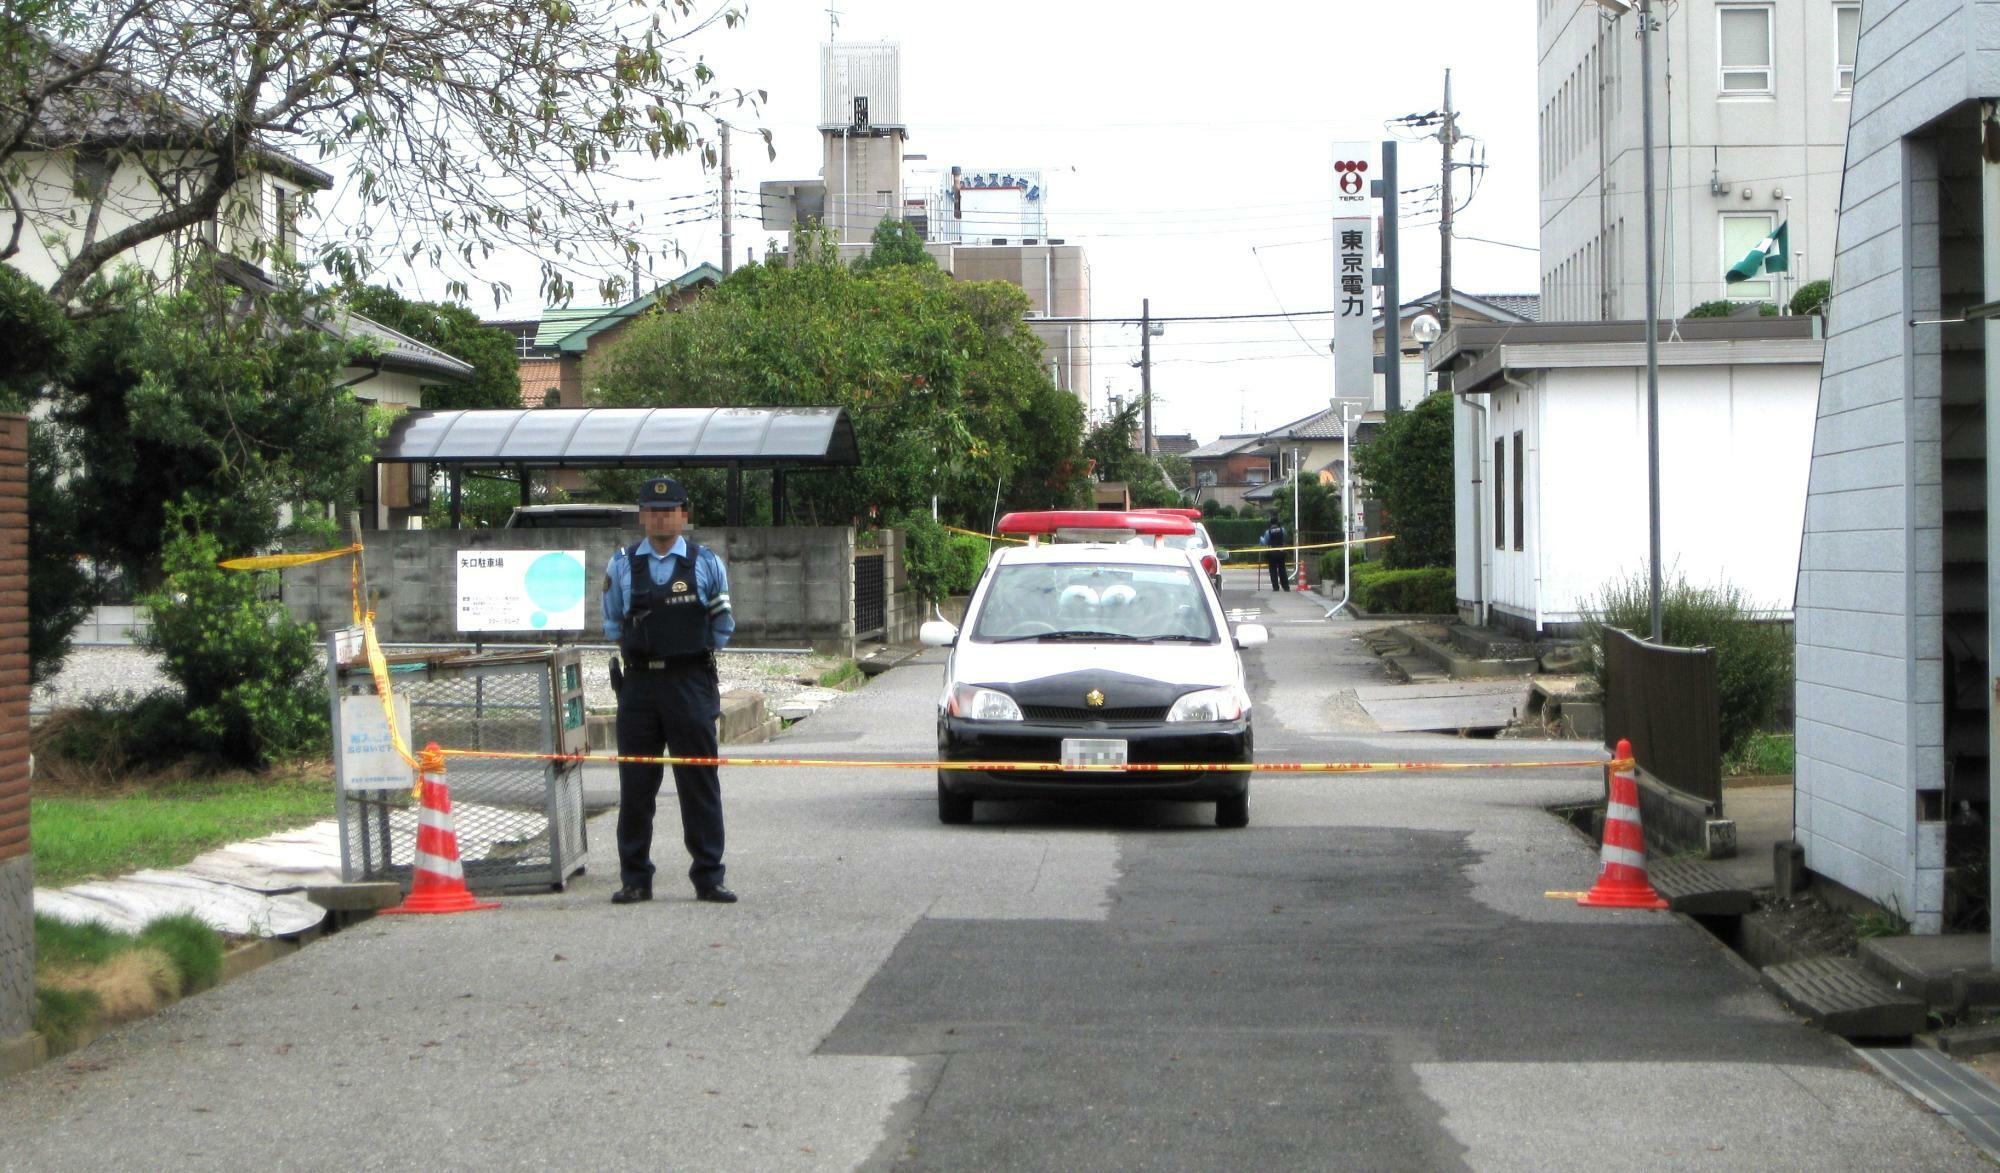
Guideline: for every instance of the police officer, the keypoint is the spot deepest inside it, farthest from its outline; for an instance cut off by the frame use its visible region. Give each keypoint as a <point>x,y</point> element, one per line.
<point>666,603</point>
<point>1273,539</point>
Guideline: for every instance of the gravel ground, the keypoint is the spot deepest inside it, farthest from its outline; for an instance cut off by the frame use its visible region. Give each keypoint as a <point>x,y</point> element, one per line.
<point>106,672</point>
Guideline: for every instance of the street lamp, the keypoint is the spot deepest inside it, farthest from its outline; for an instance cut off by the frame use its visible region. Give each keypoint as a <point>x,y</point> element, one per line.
<point>1620,8</point>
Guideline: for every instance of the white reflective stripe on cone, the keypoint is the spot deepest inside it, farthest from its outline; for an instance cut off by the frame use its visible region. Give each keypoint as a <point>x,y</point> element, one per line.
<point>437,865</point>
<point>1624,855</point>
<point>1620,813</point>
<point>436,820</point>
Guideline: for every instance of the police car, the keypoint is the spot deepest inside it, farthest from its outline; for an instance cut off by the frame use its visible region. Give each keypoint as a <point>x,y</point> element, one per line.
<point>1198,541</point>
<point>1094,644</point>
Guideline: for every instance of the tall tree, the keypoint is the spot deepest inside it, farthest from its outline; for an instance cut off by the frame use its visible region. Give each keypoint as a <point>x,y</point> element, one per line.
<point>211,397</point>
<point>1161,480</point>
<point>1408,469</point>
<point>465,126</point>
<point>496,364</point>
<point>942,379</point>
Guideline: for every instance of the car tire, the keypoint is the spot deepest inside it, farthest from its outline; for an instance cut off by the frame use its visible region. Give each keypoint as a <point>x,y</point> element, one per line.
<point>953,809</point>
<point>1234,811</point>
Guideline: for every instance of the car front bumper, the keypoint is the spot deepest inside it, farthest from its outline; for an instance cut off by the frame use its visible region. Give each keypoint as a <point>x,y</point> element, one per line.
<point>961,740</point>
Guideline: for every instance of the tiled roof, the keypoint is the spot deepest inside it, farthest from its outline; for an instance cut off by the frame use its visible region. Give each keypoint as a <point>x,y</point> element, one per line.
<point>558,321</point>
<point>1320,425</point>
<point>398,349</point>
<point>1226,446</point>
<point>1527,305</point>
<point>113,109</point>
<point>1179,445</point>
<point>539,376</point>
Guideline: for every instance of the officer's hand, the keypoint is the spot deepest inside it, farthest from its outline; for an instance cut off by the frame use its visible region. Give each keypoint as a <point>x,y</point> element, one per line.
<point>617,677</point>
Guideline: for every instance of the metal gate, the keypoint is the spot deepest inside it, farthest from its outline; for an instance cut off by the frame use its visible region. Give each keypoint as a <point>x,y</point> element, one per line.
<point>870,596</point>
<point>519,823</point>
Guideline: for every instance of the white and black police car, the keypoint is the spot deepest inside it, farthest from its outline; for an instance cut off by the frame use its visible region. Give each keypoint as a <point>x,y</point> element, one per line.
<point>1094,644</point>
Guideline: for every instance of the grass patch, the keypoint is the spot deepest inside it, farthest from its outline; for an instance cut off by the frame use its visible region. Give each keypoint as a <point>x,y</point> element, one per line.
<point>88,973</point>
<point>839,674</point>
<point>154,822</point>
<point>1761,753</point>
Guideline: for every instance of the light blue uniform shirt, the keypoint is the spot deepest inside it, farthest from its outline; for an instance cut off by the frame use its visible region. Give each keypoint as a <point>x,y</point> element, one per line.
<point>711,585</point>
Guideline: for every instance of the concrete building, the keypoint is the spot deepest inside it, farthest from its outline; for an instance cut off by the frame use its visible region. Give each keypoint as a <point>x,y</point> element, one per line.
<point>980,225</point>
<point>1896,586</point>
<point>1750,117</point>
<point>1549,461</point>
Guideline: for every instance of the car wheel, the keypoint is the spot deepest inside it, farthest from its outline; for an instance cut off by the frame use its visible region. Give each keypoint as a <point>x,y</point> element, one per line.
<point>953,809</point>
<point>1234,811</point>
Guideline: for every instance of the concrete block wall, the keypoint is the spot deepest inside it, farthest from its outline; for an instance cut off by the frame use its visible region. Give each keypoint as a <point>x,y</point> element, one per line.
<point>790,587</point>
<point>17,875</point>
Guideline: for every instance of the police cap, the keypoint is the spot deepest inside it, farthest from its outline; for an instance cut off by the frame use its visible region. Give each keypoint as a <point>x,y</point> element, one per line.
<point>662,493</point>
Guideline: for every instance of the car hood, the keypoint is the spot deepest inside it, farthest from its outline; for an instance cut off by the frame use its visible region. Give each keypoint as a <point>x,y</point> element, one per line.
<point>1181,666</point>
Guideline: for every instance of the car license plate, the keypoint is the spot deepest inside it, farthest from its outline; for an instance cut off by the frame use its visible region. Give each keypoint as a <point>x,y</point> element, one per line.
<point>1093,751</point>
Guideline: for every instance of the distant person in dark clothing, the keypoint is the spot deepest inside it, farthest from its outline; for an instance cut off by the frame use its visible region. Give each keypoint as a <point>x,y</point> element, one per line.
<point>1275,540</point>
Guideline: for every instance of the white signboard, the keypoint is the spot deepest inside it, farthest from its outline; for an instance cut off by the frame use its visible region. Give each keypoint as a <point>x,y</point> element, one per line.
<point>368,758</point>
<point>1354,308</point>
<point>521,590</point>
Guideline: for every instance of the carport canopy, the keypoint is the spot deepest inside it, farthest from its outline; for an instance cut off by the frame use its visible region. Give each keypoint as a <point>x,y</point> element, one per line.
<point>625,437</point>
<point>736,438</point>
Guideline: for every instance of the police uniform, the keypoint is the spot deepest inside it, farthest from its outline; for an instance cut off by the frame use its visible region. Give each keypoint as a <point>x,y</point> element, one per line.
<point>669,612</point>
<point>1274,556</point>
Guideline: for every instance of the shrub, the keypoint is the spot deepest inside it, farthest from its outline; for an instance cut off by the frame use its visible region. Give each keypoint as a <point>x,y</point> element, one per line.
<point>1724,308</point>
<point>1425,590</point>
<point>1811,297</point>
<point>1237,533</point>
<point>248,672</point>
<point>1753,669</point>
<point>965,559</point>
<point>927,561</point>
<point>1408,466</point>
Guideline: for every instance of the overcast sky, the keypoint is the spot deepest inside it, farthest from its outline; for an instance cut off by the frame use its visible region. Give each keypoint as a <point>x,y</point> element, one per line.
<point>1186,146</point>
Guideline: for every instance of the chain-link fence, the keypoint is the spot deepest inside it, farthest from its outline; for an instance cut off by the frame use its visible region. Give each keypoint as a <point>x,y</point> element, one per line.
<point>519,823</point>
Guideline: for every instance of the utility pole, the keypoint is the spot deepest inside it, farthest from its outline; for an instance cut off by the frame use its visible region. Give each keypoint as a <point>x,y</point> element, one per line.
<point>1146,369</point>
<point>1447,135</point>
<point>728,207</point>
<point>1652,318</point>
<point>1392,294</point>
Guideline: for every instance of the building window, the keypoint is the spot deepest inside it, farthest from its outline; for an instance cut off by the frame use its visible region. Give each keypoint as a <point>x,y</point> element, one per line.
<point>524,339</point>
<point>1745,35</point>
<point>1499,494</point>
<point>284,213</point>
<point>1520,490</point>
<point>1741,232</point>
<point>1847,18</point>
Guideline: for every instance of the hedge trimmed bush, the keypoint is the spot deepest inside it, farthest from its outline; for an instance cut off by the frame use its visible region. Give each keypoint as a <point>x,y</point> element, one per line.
<point>1425,590</point>
<point>1238,533</point>
<point>965,558</point>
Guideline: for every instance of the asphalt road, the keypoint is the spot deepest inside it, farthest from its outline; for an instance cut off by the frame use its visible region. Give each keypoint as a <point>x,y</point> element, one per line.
<point>1369,976</point>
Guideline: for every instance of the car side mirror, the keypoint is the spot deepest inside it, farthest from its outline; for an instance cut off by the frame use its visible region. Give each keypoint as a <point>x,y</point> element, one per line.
<point>936,633</point>
<point>1252,635</point>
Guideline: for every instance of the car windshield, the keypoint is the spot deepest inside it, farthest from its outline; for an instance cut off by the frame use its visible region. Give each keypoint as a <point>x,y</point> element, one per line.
<point>1116,603</point>
<point>1194,541</point>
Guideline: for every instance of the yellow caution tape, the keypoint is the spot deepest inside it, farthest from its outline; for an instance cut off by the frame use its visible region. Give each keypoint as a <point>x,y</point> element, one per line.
<point>1565,895</point>
<point>973,533</point>
<point>999,767</point>
<point>281,561</point>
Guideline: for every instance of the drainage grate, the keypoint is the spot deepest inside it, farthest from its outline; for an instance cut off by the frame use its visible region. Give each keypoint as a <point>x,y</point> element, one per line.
<point>1963,1098</point>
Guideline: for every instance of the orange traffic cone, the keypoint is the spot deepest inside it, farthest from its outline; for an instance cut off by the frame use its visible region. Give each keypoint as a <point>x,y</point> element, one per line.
<point>1300,566</point>
<point>439,884</point>
<point>1622,881</point>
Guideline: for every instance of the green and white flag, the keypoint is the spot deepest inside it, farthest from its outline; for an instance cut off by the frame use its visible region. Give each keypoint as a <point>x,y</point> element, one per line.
<point>1772,256</point>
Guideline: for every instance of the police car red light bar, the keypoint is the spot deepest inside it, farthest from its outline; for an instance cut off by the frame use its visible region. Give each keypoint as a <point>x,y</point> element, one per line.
<point>1190,514</point>
<point>1045,522</point>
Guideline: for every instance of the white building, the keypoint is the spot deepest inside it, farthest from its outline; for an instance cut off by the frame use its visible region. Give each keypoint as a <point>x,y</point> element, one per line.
<point>1896,582</point>
<point>1750,111</point>
<point>1549,461</point>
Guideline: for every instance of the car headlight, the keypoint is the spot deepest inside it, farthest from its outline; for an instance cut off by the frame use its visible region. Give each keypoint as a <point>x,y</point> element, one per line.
<point>1211,704</point>
<point>982,704</point>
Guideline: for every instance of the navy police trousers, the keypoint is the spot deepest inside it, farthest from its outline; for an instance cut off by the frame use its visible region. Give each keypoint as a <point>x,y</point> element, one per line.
<point>673,709</point>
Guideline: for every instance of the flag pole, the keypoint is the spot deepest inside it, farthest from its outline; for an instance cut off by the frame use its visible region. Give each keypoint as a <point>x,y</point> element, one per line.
<point>1791,278</point>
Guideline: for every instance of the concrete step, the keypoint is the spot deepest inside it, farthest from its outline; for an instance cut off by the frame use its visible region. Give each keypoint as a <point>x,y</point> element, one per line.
<point>1838,995</point>
<point>1952,971</point>
<point>1691,887</point>
<point>1412,669</point>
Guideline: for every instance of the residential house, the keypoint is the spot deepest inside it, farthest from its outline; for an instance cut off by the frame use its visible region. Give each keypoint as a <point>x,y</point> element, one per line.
<point>557,348</point>
<point>1174,443</point>
<point>1467,309</point>
<point>1750,111</point>
<point>1896,588</point>
<point>118,152</point>
<point>1227,469</point>
<point>1549,462</point>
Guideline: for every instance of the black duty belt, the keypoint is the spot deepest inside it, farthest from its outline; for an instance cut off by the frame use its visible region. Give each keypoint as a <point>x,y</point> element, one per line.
<point>687,661</point>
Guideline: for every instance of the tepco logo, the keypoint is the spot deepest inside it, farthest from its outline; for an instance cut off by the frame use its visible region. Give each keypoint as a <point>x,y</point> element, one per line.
<point>1350,171</point>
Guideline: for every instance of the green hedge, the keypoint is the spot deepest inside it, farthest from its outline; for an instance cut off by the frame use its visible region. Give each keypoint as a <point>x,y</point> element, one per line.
<point>1427,590</point>
<point>965,558</point>
<point>1237,533</point>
